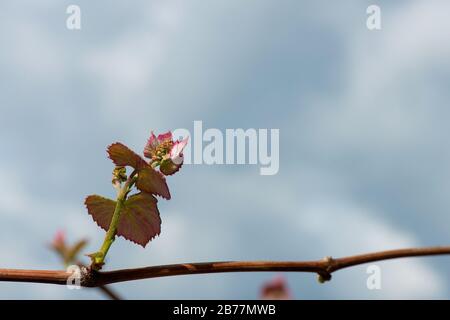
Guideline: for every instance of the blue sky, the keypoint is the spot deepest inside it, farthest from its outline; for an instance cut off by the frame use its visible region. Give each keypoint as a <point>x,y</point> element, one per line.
<point>362,114</point>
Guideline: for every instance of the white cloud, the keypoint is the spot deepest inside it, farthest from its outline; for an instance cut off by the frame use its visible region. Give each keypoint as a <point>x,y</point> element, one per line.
<point>30,50</point>
<point>124,69</point>
<point>343,229</point>
<point>393,97</point>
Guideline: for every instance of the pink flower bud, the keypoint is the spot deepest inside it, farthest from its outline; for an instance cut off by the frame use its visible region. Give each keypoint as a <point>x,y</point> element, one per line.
<point>276,289</point>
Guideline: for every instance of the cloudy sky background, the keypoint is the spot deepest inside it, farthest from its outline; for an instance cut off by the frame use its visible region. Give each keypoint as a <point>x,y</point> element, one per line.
<point>363,119</point>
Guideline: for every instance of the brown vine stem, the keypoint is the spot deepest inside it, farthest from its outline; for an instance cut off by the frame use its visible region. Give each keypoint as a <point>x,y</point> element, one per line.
<point>324,268</point>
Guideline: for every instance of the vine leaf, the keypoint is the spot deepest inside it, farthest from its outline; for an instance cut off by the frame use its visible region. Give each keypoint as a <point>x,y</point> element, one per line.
<point>66,251</point>
<point>122,156</point>
<point>149,180</point>
<point>101,209</point>
<point>139,220</point>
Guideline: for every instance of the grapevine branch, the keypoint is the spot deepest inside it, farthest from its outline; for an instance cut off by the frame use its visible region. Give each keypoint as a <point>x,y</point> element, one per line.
<point>324,268</point>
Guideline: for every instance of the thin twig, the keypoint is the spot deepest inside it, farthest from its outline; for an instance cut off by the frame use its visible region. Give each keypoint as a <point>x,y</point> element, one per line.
<point>110,293</point>
<point>324,268</point>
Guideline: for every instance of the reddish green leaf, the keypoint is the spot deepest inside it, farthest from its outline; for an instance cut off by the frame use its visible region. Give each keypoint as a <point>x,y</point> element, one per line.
<point>139,221</point>
<point>101,209</point>
<point>151,181</point>
<point>122,156</point>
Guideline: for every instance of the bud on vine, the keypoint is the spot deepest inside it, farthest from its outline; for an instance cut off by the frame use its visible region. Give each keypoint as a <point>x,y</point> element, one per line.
<point>165,153</point>
<point>119,175</point>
